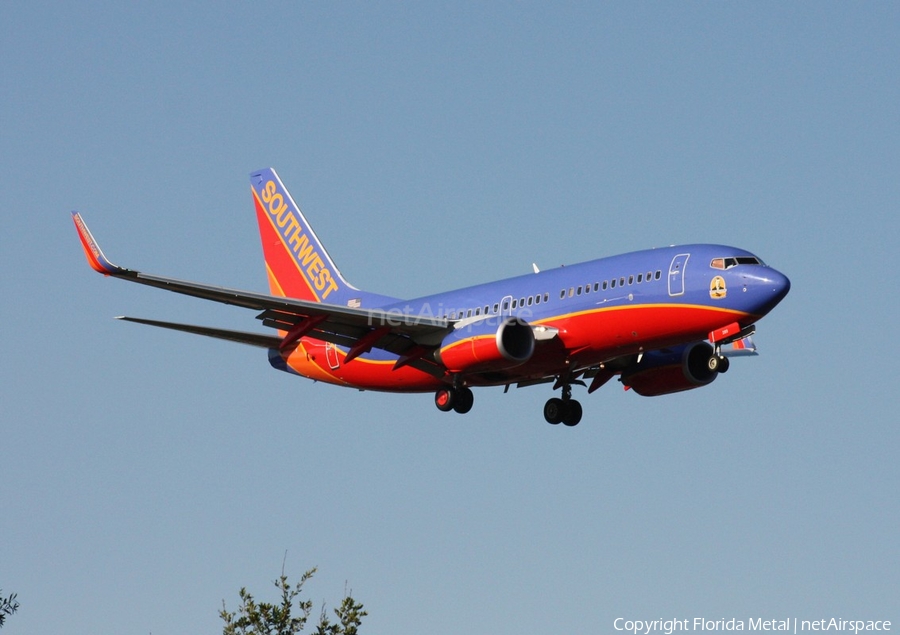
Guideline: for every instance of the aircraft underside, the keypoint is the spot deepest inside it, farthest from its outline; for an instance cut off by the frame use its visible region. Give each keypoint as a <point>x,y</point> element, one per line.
<point>677,361</point>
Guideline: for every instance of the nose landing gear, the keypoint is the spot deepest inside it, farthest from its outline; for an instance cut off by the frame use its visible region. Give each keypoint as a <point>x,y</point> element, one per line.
<point>718,363</point>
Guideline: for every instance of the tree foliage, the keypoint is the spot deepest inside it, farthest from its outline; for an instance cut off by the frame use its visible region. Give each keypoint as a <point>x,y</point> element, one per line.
<point>9,605</point>
<point>349,614</point>
<point>290,615</point>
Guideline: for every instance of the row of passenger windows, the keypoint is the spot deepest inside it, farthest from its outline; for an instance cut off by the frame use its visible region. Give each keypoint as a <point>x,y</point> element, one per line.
<point>533,300</point>
<point>611,284</point>
<point>508,304</point>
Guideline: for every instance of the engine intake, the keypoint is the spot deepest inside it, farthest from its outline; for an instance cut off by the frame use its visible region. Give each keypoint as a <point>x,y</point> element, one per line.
<point>484,345</point>
<point>671,370</point>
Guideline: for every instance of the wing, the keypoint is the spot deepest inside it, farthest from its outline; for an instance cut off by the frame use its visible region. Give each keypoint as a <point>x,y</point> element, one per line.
<point>411,337</point>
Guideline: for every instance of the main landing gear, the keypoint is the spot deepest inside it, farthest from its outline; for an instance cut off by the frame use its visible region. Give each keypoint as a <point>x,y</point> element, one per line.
<point>458,398</point>
<point>566,410</point>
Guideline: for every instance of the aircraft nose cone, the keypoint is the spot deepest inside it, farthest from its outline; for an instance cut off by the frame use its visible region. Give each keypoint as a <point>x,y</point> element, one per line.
<point>763,288</point>
<point>776,285</point>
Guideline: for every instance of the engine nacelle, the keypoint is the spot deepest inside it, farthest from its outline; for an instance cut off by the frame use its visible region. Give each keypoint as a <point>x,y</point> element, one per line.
<point>671,370</point>
<point>484,345</point>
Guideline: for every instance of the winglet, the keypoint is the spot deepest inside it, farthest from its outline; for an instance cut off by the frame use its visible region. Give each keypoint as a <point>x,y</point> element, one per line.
<point>92,252</point>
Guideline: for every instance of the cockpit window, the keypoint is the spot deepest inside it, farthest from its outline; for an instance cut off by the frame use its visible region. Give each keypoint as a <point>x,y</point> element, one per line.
<point>728,263</point>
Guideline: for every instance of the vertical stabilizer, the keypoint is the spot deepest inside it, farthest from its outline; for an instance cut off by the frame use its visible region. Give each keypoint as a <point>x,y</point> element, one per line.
<point>296,261</point>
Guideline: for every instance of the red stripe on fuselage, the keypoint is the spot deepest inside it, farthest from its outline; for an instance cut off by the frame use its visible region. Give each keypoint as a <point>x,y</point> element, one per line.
<point>647,325</point>
<point>587,338</point>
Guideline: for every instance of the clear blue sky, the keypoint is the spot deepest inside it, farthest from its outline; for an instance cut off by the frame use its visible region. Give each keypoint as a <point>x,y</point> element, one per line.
<point>148,475</point>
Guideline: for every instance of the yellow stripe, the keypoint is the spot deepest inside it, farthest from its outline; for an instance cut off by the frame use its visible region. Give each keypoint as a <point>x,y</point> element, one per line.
<point>638,306</point>
<point>274,280</point>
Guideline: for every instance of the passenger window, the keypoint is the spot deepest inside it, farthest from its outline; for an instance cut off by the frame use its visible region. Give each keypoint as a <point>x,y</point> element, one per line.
<point>469,313</point>
<point>546,297</point>
<point>530,300</point>
<point>514,304</point>
<point>613,283</point>
<point>605,285</point>
<point>658,274</point>
<point>622,281</point>
<point>571,291</point>
<point>506,305</point>
<point>521,302</point>
<point>596,287</point>
<point>640,278</point>
<point>496,308</point>
<point>630,279</point>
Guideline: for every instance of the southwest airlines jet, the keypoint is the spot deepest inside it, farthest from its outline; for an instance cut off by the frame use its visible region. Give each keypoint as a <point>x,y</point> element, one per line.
<point>662,320</point>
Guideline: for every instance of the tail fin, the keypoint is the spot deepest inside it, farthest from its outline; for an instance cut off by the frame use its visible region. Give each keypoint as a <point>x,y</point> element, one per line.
<point>297,263</point>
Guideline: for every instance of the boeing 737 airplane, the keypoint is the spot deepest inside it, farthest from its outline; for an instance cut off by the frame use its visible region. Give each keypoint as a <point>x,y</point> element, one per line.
<point>662,320</point>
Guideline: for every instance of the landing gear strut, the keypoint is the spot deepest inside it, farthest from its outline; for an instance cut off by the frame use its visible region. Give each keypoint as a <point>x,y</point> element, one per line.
<point>566,410</point>
<point>718,363</point>
<point>458,398</point>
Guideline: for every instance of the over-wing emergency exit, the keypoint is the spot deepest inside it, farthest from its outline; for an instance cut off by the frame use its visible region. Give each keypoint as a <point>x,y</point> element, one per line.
<point>661,320</point>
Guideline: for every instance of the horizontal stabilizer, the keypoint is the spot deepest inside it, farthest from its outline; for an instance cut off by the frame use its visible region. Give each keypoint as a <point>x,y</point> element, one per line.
<point>741,348</point>
<point>242,337</point>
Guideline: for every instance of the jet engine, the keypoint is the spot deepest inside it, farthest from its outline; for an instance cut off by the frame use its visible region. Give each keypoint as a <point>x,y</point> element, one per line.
<point>671,370</point>
<point>483,346</point>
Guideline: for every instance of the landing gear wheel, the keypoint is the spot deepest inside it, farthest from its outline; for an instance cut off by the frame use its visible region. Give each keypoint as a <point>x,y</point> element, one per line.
<point>463,400</point>
<point>713,363</point>
<point>554,410</point>
<point>458,399</point>
<point>724,364</point>
<point>572,414</point>
<point>444,399</point>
